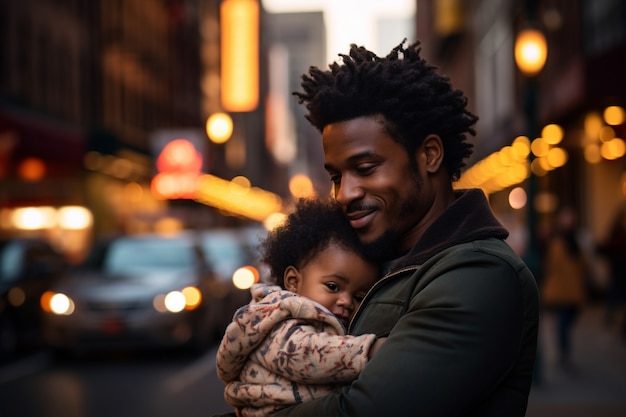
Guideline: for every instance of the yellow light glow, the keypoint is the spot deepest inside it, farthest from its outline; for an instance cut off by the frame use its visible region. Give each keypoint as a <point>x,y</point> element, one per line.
<point>545,163</point>
<point>517,198</point>
<point>219,127</point>
<point>537,168</point>
<point>241,181</point>
<point>244,277</point>
<point>606,133</point>
<point>74,218</point>
<point>448,17</point>
<point>239,21</point>
<point>174,185</point>
<point>539,147</point>
<point>592,153</point>
<point>593,125</point>
<point>44,301</point>
<point>274,220</point>
<point>557,157</point>
<point>252,203</point>
<point>552,134</point>
<point>605,151</point>
<point>546,202</point>
<point>31,169</point>
<point>531,51</point>
<point>612,149</point>
<point>175,302</point>
<point>502,169</point>
<point>614,115</point>
<point>505,156</point>
<point>521,147</point>
<point>300,186</point>
<point>168,226</point>
<point>519,172</point>
<point>61,304</point>
<point>193,297</point>
<point>33,218</point>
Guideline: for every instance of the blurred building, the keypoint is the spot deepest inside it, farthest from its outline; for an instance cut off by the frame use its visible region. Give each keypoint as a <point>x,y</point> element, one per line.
<point>294,42</point>
<point>43,71</point>
<point>85,86</point>
<point>585,73</point>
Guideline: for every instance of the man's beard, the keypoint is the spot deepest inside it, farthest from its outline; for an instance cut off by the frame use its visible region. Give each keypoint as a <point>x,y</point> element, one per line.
<point>382,248</point>
<point>385,247</point>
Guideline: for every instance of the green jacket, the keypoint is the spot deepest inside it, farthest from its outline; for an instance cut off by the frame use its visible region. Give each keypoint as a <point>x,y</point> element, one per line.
<point>461,315</point>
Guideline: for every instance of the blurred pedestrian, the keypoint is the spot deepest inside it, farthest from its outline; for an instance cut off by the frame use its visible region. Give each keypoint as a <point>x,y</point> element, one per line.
<point>289,344</point>
<point>564,285</point>
<point>614,249</point>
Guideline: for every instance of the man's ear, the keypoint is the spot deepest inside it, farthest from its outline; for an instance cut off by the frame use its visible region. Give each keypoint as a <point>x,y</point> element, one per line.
<point>432,147</point>
<point>291,278</point>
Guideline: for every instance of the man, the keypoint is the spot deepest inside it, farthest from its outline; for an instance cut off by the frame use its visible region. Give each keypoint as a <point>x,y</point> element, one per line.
<point>458,307</point>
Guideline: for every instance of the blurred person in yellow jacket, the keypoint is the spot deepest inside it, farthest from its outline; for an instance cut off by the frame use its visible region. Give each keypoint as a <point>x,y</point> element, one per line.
<point>565,275</point>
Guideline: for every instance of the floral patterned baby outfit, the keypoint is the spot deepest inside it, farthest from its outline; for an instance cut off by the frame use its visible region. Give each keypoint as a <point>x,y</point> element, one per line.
<point>283,349</point>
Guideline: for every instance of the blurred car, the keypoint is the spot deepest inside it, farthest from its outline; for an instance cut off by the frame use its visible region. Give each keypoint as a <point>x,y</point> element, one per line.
<point>28,267</point>
<point>137,291</point>
<point>228,252</point>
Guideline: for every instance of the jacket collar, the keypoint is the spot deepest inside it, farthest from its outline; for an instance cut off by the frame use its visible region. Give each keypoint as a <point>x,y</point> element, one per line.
<point>467,219</point>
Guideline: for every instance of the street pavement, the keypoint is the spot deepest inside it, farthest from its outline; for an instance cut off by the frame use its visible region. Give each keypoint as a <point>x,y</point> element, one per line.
<point>596,386</point>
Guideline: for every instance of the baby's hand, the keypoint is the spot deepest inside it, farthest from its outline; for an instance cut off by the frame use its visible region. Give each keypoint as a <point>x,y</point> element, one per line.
<point>375,346</point>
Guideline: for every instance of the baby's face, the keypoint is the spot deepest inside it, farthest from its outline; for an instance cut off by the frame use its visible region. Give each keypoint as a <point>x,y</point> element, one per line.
<point>338,279</point>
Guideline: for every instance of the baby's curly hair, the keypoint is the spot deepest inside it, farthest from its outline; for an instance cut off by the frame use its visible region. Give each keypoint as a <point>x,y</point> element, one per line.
<point>309,229</point>
<point>413,98</point>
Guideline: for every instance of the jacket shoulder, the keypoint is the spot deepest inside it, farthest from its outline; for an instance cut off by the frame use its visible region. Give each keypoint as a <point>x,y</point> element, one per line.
<point>458,271</point>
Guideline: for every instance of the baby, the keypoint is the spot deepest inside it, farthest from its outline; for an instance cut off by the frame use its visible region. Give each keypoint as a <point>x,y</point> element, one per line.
<point>289,344</point>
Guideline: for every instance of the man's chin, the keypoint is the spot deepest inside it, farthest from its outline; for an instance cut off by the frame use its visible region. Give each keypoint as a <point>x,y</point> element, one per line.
<point>380,248</point>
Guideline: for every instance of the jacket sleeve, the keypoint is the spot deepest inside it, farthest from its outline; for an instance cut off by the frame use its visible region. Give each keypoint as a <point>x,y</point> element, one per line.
<point>458,339</point>
<point>306,352</point>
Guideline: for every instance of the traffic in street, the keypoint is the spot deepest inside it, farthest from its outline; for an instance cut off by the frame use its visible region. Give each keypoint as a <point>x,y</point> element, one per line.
<point>104,384</point>
<point>165,383</point>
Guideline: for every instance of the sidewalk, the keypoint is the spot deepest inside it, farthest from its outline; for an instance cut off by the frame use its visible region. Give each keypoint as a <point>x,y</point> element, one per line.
<point>597,387</point>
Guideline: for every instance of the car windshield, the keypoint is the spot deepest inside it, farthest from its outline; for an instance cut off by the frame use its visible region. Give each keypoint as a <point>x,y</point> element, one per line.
<point>224,254</point>
<point>132,256</point>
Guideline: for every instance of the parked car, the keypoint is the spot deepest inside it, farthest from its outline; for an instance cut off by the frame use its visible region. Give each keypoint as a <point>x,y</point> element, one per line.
<point>138,291</point>
<point>227,250</point>
<point>28,267</point>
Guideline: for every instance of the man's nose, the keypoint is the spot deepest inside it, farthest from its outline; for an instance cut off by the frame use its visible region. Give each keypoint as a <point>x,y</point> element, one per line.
<point>348,190</point>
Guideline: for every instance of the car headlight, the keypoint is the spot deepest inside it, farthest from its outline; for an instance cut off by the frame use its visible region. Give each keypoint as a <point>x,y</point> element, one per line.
<point>57,303</point>
<point>188,298</point>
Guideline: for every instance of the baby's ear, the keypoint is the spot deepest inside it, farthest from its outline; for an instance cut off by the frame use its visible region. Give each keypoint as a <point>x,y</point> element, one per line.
<point>291,278</point>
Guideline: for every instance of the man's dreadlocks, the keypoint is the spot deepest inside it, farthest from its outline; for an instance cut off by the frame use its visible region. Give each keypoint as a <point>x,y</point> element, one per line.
<point>413,98</point>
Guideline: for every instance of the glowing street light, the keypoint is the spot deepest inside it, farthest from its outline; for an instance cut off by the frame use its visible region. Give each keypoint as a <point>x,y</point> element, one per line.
<point>531,51</point>
<point>219,127</point>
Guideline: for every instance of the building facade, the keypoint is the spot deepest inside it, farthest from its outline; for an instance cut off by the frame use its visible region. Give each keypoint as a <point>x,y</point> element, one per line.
<point>584,75</point>
<point>84,88</point>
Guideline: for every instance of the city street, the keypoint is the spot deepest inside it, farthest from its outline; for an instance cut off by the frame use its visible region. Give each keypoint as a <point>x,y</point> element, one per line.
<point>168,384</point>
<point>597,387</point>
<point>150,384</point>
